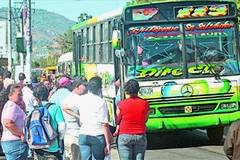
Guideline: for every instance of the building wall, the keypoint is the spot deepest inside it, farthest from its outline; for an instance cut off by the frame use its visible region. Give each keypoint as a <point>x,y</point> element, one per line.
<point>3,39</point>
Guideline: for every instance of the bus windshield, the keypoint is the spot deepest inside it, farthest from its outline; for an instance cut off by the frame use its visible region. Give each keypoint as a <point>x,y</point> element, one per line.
<point>157,51</point>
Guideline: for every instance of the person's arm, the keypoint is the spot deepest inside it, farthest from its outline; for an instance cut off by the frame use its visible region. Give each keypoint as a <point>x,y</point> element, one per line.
<point>118,120</point>
<point>11,126</point>
<point>61,122</point>
<point>108,138</point>
<point>68,104</point>
<point>69,111</point>
<point>9,117</point>
<point>103,118</point>
<point>228,144</point>
<point>148,112</point>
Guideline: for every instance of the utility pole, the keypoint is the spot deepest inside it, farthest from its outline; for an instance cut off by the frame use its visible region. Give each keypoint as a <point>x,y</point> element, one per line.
<point>27,37</point>
<point>10,36</point>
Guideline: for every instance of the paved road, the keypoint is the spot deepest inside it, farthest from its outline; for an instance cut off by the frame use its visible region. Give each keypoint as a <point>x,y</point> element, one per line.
<point>180,145</point>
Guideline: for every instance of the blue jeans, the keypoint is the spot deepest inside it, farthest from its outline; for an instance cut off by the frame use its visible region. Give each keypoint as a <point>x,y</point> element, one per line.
<point>92,147</point>
<point>132,147</point>
<point>15,150</point>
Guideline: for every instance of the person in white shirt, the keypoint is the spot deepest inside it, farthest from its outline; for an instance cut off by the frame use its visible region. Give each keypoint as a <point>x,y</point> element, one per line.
<point>70,112</point>
<point>28,98</point>
<point>95,138</point>
<point>7,79</point>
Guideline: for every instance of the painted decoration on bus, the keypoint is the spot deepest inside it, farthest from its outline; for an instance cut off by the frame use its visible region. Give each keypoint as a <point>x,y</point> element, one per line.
<point>187,89</point>
<point>164,71</point>
<point>173,30</point>
<point>154,71</point>
<point>202,11</point>
<point>209,26</point>
<point>144,13</point>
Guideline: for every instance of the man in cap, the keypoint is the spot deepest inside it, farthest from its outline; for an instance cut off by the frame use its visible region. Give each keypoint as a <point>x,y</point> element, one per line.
<point>62,91</point>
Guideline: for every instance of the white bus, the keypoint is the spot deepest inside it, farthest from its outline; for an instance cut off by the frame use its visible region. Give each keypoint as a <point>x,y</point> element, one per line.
<point>64,65</point>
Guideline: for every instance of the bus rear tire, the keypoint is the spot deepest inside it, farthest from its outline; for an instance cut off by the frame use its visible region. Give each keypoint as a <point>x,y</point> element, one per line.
<point>215,135</point>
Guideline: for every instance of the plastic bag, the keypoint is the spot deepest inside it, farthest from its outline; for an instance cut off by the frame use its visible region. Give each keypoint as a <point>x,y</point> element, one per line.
<point>108,157</point>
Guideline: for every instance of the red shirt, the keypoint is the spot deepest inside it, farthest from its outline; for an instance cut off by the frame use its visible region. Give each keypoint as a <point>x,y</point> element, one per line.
<point>133,115</point>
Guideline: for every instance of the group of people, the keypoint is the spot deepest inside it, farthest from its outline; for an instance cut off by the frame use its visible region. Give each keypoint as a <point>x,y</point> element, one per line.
<point>79,115</point>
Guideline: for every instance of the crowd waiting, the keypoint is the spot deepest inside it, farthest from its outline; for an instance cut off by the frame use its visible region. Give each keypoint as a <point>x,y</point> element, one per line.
<point>79,116</point>
<point>78,120</point>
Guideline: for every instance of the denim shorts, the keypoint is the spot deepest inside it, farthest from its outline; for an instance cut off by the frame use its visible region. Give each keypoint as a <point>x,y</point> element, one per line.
<point>15,150</point>
<point>132,146</point>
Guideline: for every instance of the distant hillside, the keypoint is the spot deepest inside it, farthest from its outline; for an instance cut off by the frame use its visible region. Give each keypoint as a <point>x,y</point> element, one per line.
<point>46,26</point>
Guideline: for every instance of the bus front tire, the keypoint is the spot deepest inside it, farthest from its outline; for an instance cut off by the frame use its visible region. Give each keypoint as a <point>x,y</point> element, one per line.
<point>215,135</point>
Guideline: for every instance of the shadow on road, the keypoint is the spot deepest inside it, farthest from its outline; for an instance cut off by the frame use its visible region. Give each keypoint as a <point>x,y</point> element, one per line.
<point>177,139</point>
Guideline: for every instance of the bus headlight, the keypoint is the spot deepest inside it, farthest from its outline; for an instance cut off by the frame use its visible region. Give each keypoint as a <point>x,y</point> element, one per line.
<point>228,106</point>
<point>145,91</point>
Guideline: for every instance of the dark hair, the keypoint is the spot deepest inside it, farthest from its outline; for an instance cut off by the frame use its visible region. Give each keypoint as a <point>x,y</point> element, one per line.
<point>78,81</point>
<point>21,76</point>
<point>131,87</point>
<point>13,88</point>
<point>95,85</point>
<point>7,74</point>
<point>34,79</point>
<point>1,85</point>
<point>41,92</point>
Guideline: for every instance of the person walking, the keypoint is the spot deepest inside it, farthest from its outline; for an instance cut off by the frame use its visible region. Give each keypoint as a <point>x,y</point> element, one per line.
<point>95,138</point>
<point>21,78</point>
<point>13,123</point>
<point>7,79</point>
<point>71,115</point>
<point>132,114</point>
<point>55,151</point>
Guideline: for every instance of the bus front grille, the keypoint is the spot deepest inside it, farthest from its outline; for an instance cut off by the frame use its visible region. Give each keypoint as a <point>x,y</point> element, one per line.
<point>194,98</point>
<point>187,109</point>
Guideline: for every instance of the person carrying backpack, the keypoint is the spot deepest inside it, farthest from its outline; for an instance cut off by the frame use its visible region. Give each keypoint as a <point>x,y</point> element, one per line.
<point>51,128</point>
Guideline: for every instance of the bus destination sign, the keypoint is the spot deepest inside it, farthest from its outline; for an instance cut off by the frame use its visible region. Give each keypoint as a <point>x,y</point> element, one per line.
<point>185,12</point>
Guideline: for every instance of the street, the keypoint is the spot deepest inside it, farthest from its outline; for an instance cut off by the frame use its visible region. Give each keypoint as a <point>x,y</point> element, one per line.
<point>180,145</point>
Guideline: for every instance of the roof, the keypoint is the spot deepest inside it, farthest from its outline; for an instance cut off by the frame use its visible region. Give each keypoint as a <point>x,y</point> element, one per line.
<point>98,18</point>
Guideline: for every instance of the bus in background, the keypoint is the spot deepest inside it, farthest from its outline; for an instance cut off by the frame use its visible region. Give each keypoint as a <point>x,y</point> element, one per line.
<point>50,70</point>
<point>183,53</point>
<point>64,65</point>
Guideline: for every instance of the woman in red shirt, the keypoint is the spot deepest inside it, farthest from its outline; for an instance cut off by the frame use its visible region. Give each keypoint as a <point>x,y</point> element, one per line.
<point>132,116</point>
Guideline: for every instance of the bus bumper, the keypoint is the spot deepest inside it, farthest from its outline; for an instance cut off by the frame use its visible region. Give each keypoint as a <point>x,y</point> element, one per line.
<point>191,122</point>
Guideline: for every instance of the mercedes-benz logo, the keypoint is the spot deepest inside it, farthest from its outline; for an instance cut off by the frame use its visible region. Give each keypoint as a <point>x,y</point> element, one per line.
<point>187,90</point>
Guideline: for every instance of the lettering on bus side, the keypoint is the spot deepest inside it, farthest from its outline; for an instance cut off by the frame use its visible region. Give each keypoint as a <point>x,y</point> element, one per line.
<point>175,72</point>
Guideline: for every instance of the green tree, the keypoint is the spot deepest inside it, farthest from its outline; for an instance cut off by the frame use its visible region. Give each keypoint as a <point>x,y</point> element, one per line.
<point>50,60</point>
<point>65,41</point>
<point>83,17</point>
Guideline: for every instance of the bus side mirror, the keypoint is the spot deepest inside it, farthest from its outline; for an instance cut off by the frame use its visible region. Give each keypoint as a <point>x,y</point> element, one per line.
<point>116,39</point>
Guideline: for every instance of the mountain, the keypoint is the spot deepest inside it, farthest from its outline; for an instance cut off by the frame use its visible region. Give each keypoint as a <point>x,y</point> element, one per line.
<point>46,27</point>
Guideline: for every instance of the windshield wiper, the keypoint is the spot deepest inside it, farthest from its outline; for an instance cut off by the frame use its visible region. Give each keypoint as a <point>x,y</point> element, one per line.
<point>211,69</point>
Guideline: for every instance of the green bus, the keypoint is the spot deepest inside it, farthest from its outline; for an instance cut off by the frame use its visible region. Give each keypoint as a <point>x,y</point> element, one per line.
<point>183,53</point>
